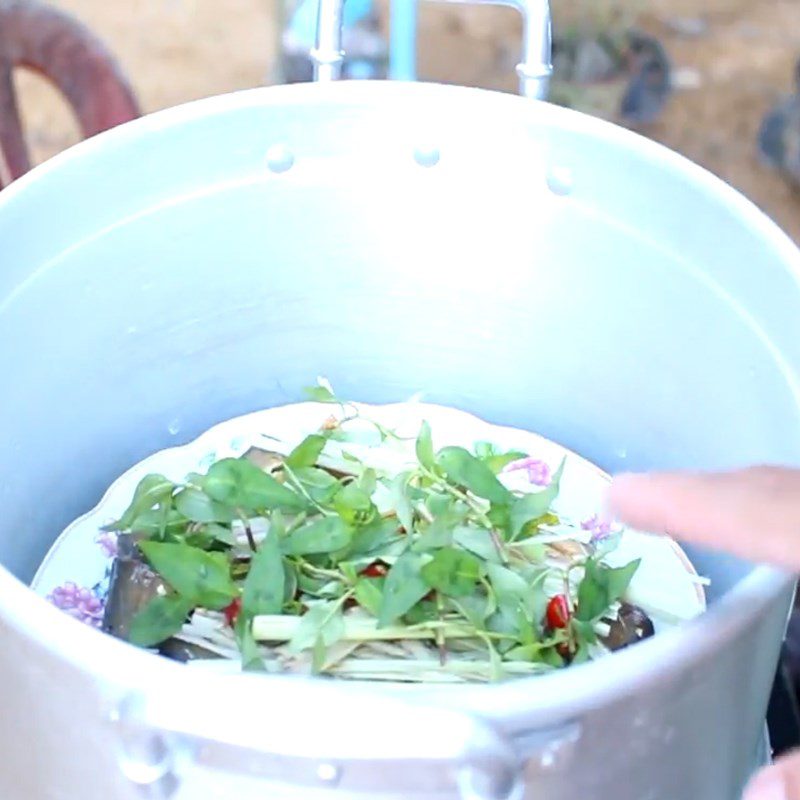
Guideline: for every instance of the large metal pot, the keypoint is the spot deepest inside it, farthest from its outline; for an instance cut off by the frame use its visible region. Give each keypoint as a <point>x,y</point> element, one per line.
<point>527,263</point>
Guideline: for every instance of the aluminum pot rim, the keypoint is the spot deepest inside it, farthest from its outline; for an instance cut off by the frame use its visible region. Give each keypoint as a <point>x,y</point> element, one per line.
<point>559,695</point>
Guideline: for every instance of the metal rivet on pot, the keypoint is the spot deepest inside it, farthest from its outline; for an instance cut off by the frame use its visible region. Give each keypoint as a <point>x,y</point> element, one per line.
<point>495,784</point>
<point>280,158</point>
<point>427,155</point>
<point>560,180</point>
<point>329,773</point>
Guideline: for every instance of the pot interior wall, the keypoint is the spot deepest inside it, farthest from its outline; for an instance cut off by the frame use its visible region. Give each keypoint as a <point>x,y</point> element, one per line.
<point>637,320</point>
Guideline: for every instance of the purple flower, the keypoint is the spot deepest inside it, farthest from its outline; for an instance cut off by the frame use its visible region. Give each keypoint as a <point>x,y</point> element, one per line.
<point>108,544</point>
<point>78,602</point>
<point>600,529</point>
<point>538,471</point>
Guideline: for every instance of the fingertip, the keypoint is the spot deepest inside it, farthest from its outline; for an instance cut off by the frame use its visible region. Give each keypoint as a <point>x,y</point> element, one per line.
<point>769,784</point>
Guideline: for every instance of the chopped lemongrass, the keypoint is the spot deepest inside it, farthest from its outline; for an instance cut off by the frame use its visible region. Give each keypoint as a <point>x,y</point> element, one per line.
<point>281,628</point>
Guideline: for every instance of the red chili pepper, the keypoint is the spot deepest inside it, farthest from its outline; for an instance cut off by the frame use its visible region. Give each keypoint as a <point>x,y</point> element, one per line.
<point>231,612</point>
<point>375,570</point>
<point>558,612</point>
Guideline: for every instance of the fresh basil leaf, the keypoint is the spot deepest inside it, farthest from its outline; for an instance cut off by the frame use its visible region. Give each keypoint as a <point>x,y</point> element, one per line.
<point>322,621</point>
<point>495,459</point>
<point>202,578</point>
<point>476,608</point>
<point>369,594</point>
<point>354,505</point>
<point>368,481</point>
<point>197,506</point>
<point>240,484</point>
<point>263,591</point>
<point>424,447</point>
<point>320,484</point>
<point>248,646</point>
<point>161,618</point>
<point>601,586</point>
<point>373,538</point>
<point>403,588</point>
<point>478,541</point>
<point>151,490</point>
<point>307,452</point>
<point>320,536</point>
<point>511,590</point>
<point>452,572</point>
<point>320,394</point>
<point>401,501</point>
<point>536,504</point>
<point>423,611</point>
<point>163,522</point>
<point>463,469</point>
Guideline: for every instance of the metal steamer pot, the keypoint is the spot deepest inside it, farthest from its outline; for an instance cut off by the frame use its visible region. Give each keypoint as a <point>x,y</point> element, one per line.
<point>532,265</point>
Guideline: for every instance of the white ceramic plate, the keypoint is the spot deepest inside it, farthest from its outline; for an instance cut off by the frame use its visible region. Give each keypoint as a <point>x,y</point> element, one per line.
<point>74,575</point>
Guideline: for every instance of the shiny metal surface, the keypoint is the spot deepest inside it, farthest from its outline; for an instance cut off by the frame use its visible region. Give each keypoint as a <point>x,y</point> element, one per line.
<point>645,322</point>
<point>534,70</point>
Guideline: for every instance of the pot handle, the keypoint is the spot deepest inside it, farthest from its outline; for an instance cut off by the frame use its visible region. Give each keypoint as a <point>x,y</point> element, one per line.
<point>307,735</point>
<point>534,70</point>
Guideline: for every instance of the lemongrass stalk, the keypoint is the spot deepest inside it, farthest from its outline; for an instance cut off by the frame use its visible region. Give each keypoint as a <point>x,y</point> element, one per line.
<point>281,628</point>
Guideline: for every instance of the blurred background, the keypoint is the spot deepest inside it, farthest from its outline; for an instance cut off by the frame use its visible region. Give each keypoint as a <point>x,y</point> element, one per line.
<point>730,62</point>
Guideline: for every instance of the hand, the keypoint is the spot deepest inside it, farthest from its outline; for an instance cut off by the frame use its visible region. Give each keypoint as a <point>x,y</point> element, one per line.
<point>753,513</point>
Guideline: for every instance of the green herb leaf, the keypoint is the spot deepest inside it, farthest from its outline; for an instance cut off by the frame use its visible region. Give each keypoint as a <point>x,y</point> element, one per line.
<point>161,618</point>
<point>373,538</point>
<point>535,505</point>
<point>197,506</point>
<point>369,596</point>
<point>403,588</point>
<point>320,394</point>
<point>240,484</point>
<point>320,485</point>
<point>248,647</point>
<point>494,459</point>
<point>425,453</point>
<point>354,505</point>
<point>322,621</point>
<point>320,536</point>
<point>478,541</point>
<point>601,586</point>
<point>164,522</point>
<point>264,586</point>
<point>463,469</point>
<point>510,588</point>
<point>201,578</point>
<point>452,572</point>
<point>401,501</point>
<point>152,490</point>
<point>307,452</point>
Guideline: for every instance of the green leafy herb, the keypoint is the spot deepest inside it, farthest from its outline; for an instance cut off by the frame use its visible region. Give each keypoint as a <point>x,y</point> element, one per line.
<point>239,484</point>
<point>320,536</point>
<point>463,469</point>
<point>197,506</point>
<point>160,619</point>
<point>307,452</point>
<point>264,587</point>
<point>202,579</point>
<point>404,587</point>
<point>354,505</point>
<point>601,586</point>
<point>152,490</point>
<point>536,505</point>
<point>369,596</point>
<point>424,448</point>
<point>452,572</point>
